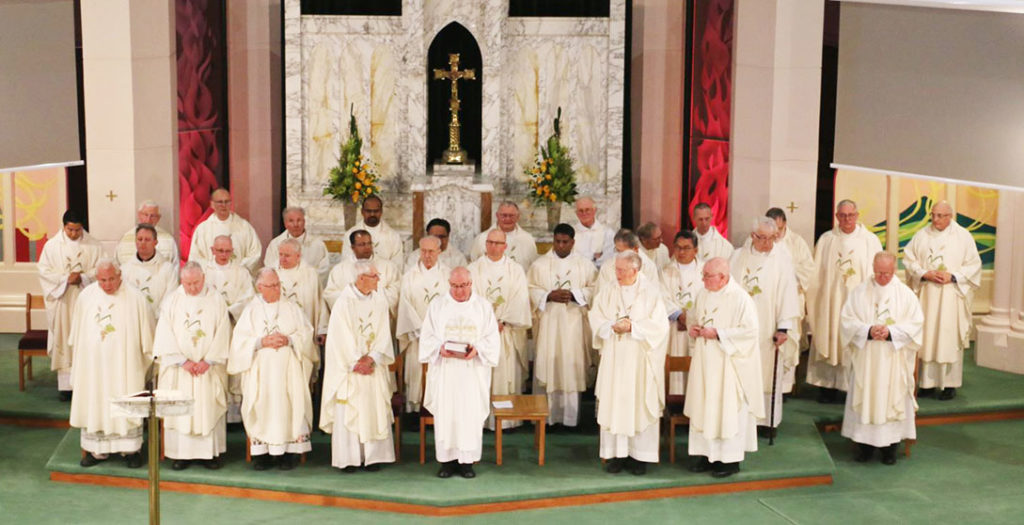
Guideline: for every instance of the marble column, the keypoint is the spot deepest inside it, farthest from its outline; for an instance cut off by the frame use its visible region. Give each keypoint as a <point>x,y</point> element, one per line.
<point>776,91</point>
<point>657,105</point>
<point>1000,337</point>
<point>128,62</point>
<point>254,109</point>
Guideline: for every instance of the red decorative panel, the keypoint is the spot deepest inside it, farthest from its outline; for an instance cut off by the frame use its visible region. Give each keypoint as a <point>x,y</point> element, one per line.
<point>201,110</point>
<point>710,104</point>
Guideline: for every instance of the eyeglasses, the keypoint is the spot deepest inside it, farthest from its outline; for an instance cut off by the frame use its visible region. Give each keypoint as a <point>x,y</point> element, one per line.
<point>496,242</point>
<point>460,286</point>
<point>228,201</point>
<point>711,275</point>
<point>758,237</point>
<point>842,216</point>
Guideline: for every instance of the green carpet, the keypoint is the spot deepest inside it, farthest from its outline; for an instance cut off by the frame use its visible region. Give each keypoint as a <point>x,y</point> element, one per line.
<point>39,400</point>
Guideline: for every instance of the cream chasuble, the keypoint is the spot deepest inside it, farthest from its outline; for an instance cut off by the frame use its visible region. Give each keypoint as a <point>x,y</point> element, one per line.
<point>358,327</point>
<point>770,280</point>
<point>155,278</point>
<point>680,284</point>
<point>503,284</point>
<point>387,244</point>
<point>724,386</point>
<point>458,391</point>
<point>597,239</point>
<point>233,284</point>
<point>452,258</point>
<point>244,240</point>
<point>606,275</point>
<point>521,246</point>
<point>562,332</point>
<point>344,274</point>
<point>630,387</point>
<point>659,255</point>
<point>880,406</point>
<point>842,261</point>
<point>712,244</point>
<point>947,307</point>
<point>166,245</point>
<point>301,285</point>
<point>419,287</point>
<point>60,257</point>
<point>276,406</point>
<point>194,328</point>
<point>314,253</point>
<point>112,340</point>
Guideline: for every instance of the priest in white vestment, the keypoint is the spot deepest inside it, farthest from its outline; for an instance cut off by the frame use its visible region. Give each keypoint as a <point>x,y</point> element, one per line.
<point>460,342</point>
<point>300,284</point>
<point>167,245</point>
<point>356,404</point>
<point>387,243</point>
<point>112,338</point>
<point>628,321</point>
<point>594,240</point>
<point>842,260</point>
<point>148,271</point>
<point>314,251</point>
<point>724,393</point>
<point>561,288</point>
<point>681,280</point>
<point>344,274</point>
<point>626,240</point>
<point>764,270</point>
<point>246,243</point>
<point>423,282</point>
<point>650,243</point>
<point>193,337</point>
<point>944,269</point>
<point>233,283</point>
<point>503,283</point>
<point>881,328</point>
<point>450,256</point>
<point>803,263</point>
<point>712,243</point>
<point>522,247</point>
<point>272,350</point>
<point>66,266</point>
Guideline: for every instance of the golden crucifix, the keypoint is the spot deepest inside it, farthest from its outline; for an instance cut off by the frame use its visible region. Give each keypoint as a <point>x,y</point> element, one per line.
<point>454,154</point>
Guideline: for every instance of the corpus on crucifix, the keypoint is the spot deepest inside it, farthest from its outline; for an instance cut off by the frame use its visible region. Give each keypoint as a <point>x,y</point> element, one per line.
<point>454,154</point>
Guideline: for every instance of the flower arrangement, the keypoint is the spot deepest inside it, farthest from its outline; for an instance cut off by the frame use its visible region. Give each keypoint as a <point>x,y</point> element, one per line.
<point>552,178</point>
<point>354,178</point>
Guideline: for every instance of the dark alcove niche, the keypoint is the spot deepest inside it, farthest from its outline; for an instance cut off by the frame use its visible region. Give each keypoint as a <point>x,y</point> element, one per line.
<point>454,38</point>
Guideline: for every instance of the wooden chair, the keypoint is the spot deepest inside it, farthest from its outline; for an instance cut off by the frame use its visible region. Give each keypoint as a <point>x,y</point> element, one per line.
<point>674,403</point>
<point>398,401</point>
<point>32,343</point>
<point>426,418</point>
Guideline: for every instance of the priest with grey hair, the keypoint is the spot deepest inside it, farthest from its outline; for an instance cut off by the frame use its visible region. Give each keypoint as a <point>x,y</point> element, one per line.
<point>314,251</point>
<point>167,245</point>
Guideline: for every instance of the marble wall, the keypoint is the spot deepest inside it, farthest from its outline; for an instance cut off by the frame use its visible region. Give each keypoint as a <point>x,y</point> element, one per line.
<point>377,66</point>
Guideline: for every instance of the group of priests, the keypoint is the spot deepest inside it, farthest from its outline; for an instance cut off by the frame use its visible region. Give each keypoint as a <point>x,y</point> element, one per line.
<point>258,340</point>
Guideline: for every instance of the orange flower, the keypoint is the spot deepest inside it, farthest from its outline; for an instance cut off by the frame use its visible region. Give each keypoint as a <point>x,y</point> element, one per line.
<point>548,177</point>
<point>357,163</point>
<point>539,191</point>
<point>552,197</point>
<point>355,196</point>
<point>355,170</point>
<point>358,185</point>
<point>369,190</point>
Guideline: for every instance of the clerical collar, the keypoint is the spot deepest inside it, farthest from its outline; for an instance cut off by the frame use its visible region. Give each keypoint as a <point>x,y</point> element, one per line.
<point>299,238</point>
<point>223,220</point>
<point>592,227</point>
<point>140,259</point>
<point>710,232</point>
<point>691,264</point>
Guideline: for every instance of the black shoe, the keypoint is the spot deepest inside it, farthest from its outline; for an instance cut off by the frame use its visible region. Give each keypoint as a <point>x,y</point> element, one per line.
<point>261,462</point>
<point>133,460</point>
<point>724,470</point>
<point>212,464</point>
<point>889,454</point>
<point>638,468</point>
<point>180,464</point>
<point>350,469</point>
<point>64,395</point>
<point>864,453</point>
<point>287,462</point>
<point>89,460</point>
<point>614,465</point>
<point>466,470</point>
<point>925,392</point>
<point>372,468</point>
<point>947,394</point>
<point>701,464</point>
<point>447,469</point>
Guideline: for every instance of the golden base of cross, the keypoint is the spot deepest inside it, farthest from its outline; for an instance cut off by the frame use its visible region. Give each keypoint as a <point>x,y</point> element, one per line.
<point>450,156</point>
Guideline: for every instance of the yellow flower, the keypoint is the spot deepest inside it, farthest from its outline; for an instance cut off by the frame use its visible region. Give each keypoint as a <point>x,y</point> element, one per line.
<point>369,190</point>
<point>355,170</point>
<point>362,174</point>
<point>358,185</point>
<point>357,162</point>
<point>355,196</point>
<point>548,177</point>
<point>536,170</point>
<point>539,191</point>
<point>552,197</point>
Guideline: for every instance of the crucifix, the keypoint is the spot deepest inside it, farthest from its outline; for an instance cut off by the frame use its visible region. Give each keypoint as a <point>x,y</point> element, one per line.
<point>792,207</point>
<point>111,195</point>
<point>454,154</point>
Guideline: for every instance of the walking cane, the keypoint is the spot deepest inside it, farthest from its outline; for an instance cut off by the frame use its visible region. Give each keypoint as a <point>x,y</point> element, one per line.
<point>771,416</point>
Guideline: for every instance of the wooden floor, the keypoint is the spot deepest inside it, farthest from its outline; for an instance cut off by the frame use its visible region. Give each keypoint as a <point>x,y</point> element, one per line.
<point>438,511</point>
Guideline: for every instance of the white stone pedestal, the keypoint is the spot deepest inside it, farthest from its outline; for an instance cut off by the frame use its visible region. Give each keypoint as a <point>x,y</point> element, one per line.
<point>457,194</point>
